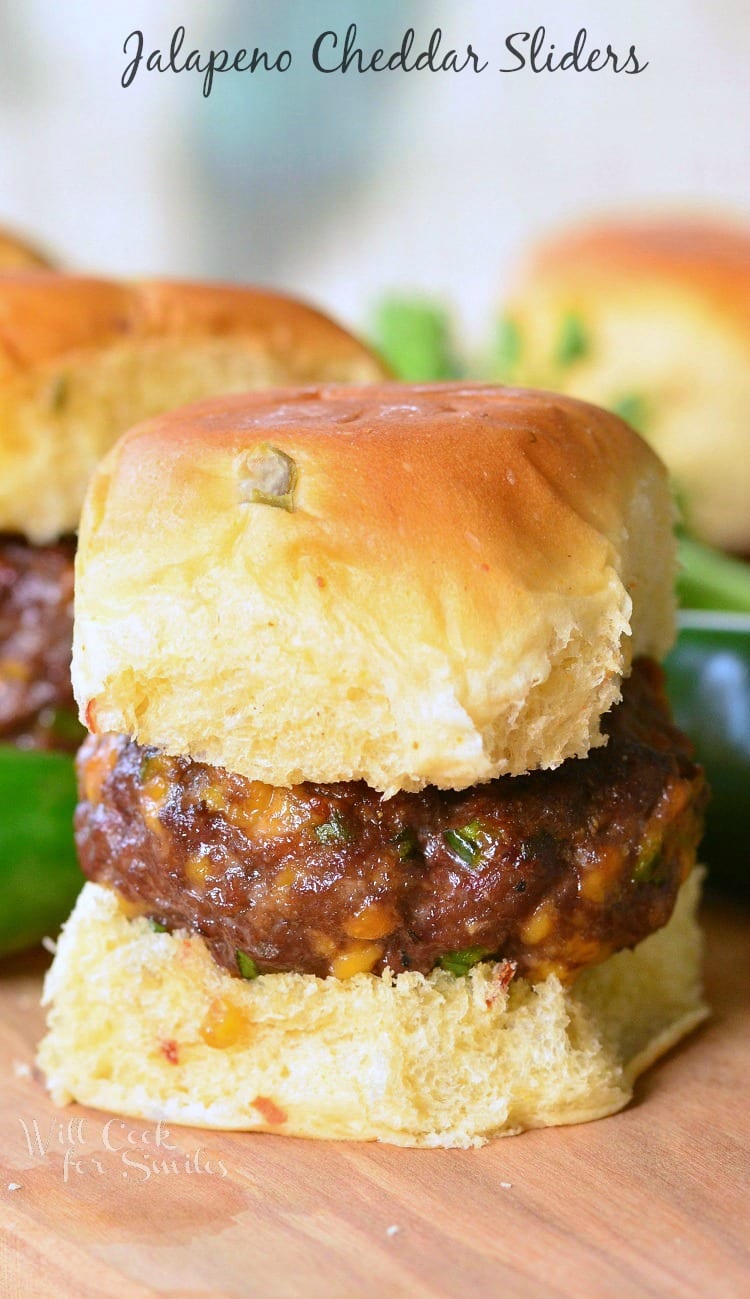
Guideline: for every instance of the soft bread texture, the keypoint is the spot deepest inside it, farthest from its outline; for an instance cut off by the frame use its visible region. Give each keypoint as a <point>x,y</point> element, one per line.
<point>147,1024</point>
<point>665,312</point>
<point>456,595</point>
<point>83,359</point>
<point>17,254</point>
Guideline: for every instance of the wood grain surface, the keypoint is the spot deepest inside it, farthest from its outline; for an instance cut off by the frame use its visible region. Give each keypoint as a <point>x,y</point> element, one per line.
<point>652,1202</point>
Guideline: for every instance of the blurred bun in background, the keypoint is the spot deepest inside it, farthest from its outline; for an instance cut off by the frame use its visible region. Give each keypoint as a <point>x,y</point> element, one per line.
<point>651,319</point>
<point>81,359</point>
<point>17,254</point>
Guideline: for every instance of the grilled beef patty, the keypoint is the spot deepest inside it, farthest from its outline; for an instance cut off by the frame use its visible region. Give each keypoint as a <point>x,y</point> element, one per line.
<point>37,709</point>
<point>554,870</point>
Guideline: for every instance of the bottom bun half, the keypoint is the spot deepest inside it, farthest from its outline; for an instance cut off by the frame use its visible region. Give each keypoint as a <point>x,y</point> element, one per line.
<point>148,1025</point>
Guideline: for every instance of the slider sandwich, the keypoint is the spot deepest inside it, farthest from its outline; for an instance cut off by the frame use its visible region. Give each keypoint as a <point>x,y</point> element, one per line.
<point>388,830</point>
<point>651,319</point>
<point>80,361</point>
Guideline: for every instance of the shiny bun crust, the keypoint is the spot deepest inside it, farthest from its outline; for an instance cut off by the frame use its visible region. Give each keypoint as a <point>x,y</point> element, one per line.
<point>456,593</point>
<point>17,254</point>
<point>652,319</point>
<point>83,359</point>
<point>147,1024</point>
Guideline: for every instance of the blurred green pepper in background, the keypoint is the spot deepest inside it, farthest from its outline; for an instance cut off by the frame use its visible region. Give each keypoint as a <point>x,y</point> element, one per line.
<point>39,874</point>
<point>415,339</point>
<point>710,579</point>
<point>708,679</point>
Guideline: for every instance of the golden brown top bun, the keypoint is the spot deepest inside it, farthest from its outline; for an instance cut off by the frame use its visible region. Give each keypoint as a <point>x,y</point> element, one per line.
<point>455,592</point>
<point>16,254</point>
<point>83,359</point>
<point>652,320</point>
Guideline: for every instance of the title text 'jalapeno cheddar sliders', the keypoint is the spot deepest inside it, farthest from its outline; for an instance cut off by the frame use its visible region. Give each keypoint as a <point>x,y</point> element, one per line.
<point>389,831</point>
<point>81,360</point>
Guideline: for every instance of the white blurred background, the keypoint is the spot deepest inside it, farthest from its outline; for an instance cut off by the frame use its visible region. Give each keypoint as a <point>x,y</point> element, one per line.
<point>341,187</point>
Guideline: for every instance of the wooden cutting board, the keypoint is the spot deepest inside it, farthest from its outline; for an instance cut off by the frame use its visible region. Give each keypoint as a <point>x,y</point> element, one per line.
<point>651,1202</point>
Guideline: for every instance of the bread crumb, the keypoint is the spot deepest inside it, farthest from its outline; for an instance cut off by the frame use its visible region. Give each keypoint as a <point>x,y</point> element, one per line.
<point>14,1186</point>
<point>507,1186</point>
<point>393,1230</point>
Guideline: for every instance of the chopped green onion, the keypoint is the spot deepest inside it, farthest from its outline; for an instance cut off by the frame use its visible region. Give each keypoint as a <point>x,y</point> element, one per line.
<point>633,408</point>
<point>573,341</point>
<point>269,478</point>
<point>459,963</point>
<point>507,350</point>
<point>334,830</point>
<point>407,843</point>
<point>467,844</point>
<point>246,965</point>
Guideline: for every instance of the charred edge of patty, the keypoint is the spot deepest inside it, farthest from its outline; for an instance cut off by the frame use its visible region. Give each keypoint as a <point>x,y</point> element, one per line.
<point>553,871</point>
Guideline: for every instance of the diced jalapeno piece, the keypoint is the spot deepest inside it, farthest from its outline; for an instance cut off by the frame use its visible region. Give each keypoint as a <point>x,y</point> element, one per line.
<point>646,869</point>
<point>334,830</point>
<point>407,843</point>
<point>246,965</point>
<point>467,844</point>
<point>268,477</point>
<point>459,963</point>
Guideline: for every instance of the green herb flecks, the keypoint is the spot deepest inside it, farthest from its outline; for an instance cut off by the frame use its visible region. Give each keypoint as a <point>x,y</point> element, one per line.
<point>268,477</point>
<point>468,843</point>
<point>246,965</point>
<point>334,830</point>
<point>633,408</point>
<point>573,342</point>
<point>157,926</point>
<point>459,963</point>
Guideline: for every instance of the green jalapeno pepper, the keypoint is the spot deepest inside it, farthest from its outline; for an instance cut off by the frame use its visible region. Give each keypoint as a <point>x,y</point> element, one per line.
<point>415,339</point>
<point>39,874</point>
<point>708,679</point>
